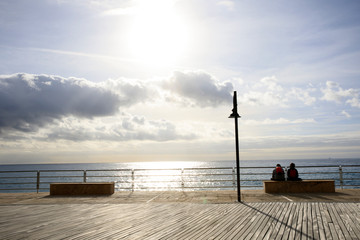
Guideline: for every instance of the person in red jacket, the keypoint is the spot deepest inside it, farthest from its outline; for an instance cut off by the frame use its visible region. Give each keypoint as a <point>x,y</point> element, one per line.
<point>292,173</point>
<point>278,173</point>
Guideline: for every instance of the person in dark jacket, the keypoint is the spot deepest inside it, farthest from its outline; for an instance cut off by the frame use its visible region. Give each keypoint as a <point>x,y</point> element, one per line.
<point>278,173</point>
<point>292,173</point>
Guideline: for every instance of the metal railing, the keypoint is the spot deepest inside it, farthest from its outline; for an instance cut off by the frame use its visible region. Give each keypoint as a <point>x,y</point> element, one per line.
<point>180,179</point>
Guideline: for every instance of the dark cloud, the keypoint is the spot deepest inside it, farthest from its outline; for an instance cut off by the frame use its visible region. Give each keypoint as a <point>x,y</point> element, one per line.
<point>29,101</point>
<point>200,87</point>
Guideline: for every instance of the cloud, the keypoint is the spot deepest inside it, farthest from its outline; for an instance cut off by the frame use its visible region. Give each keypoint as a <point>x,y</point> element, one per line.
<point>255,98</point>
<point>29,101</point>
<point>327,141</point>
<point>279,121</point>
<point>105,58</point>
<point>200,88</point>
<point>266,92</point>
<point>354,102</point>
<point>346,114</point>
<point>303,95</point>
<point>119,11</point>
<point>132,91</point>
<point>334,93</point>
<point>229,5</point>
<point>271,83</point>
<point>125,127</point>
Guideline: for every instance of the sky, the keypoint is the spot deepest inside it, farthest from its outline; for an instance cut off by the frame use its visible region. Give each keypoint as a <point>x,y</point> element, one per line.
<point>153,80</point>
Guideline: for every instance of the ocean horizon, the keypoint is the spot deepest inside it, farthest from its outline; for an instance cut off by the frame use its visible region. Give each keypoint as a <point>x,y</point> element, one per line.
<point>179,164</point>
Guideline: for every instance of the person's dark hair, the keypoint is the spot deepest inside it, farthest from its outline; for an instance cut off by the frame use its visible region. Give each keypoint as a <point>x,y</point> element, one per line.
<point>278,165</point>
<point>292,165</point>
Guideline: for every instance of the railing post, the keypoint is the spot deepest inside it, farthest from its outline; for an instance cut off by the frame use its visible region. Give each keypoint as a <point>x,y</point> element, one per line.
<point>37,181</point>
<point>341,177</point>
<point>84,176</point>
<point>233,175</point>
<point>182,179</point>
<point>132,180</point>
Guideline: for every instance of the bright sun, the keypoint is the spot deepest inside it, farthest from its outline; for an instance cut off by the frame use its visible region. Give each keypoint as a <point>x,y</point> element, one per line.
<point>158,36</point>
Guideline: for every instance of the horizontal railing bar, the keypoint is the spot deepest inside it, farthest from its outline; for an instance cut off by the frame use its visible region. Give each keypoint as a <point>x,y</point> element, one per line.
<point>109,170</point>
<point>14,189</point>
<point>356,186</point>
<point>56,182</point>
<point>62,176</point>
<point>17,177</point>
<point>18,183</point>
<point>32,171</point>
<point>70,170</point>
<point>157,169</point>
<point>319,173</point>
<point>114,176</point>
<point>95,176</point>
<point>159,181</point>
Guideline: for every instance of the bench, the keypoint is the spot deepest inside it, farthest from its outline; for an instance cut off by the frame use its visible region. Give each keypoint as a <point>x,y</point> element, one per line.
<point>305,186</point>
<point>103,188</point>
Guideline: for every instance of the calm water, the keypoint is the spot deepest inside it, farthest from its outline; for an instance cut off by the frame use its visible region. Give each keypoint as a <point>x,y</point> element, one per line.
<point>175,175</point>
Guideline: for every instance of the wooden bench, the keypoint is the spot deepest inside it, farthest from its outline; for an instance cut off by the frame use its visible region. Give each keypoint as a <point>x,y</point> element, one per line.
<point>305,186</point>
<point>103,188</point>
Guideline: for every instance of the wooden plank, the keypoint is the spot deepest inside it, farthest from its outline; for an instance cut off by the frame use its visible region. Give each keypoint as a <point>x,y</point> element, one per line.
<point>310,222</point>
<point>260,227</point>
<point>202,229</point>
<point>352,211</point>
<point>298,232</point>
<point>274,222</point>
<point>241,221</point>
<point>293,221</point>
<point>334,235</point>
<point>339,227</point>
<point>349,225</point>
<point>226,223</point>
<point>269,221</point>
<point>305,219</point>
<point>326,220</point>
<point>248,226</point>
<point>245,222</point>
<point>320,223</point>
<point>315,225</point>
<point>284,221</point>
<point>292,215</point>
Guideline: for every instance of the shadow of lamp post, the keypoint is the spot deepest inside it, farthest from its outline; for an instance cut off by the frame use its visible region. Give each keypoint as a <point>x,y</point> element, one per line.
<point>235,115</point>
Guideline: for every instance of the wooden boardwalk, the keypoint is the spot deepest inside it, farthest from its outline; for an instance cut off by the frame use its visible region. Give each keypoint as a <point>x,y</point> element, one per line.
<point>262,220</point>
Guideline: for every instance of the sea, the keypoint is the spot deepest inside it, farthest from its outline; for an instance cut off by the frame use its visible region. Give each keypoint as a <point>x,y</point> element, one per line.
<point>185,175</point>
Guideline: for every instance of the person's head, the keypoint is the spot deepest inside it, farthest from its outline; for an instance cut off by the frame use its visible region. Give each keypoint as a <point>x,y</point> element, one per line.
<point>278,165</point>
<point>292,165</point>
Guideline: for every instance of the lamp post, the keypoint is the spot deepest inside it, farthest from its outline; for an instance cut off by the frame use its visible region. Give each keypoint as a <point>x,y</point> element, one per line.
<point>235,115</point>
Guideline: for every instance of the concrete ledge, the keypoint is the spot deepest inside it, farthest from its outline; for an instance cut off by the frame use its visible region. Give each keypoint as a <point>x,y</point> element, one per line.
<point>107,188</point>
<point>305,186</point>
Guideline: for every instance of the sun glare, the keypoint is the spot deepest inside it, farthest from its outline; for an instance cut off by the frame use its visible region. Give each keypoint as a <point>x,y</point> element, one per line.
<point>158,35</point>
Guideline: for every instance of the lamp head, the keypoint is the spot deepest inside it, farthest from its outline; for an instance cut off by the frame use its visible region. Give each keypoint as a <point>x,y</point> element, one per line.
<point>234,114</point>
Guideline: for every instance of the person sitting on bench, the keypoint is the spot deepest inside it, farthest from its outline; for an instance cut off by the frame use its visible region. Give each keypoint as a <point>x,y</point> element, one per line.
<point>278,173</point>
<point>292,173</point>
